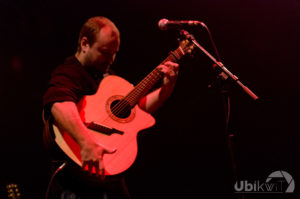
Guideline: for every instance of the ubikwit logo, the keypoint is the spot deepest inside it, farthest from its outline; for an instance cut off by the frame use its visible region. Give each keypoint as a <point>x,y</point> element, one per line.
<point>277,182</point>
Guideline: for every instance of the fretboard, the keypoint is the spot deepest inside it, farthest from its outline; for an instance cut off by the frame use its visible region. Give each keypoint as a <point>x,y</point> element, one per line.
<point>142,88</point>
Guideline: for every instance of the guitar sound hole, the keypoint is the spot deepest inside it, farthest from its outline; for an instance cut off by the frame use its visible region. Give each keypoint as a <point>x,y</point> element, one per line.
<point>120,108</point>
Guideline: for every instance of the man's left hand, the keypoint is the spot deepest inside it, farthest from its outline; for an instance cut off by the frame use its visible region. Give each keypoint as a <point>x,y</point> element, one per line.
<point>170,70</point>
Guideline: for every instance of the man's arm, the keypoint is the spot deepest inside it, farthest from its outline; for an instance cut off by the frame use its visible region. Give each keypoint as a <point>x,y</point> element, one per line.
<point>67,117</point>
<point>151,102</point>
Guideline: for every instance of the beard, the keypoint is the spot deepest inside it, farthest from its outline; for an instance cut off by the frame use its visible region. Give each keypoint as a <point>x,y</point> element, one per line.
<point>95,64</point>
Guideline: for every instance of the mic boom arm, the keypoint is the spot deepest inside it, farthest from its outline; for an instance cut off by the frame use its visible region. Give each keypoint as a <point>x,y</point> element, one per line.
<point>219,64</point>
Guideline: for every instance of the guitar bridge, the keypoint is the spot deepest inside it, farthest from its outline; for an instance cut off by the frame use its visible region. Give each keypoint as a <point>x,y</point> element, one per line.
<point>102,129</point>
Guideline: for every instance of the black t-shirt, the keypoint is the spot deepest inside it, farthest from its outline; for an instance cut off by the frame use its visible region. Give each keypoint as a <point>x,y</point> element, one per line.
<point>70,81</point>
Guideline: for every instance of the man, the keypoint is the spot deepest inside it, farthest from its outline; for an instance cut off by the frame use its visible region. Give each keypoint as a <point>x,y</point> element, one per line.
<point>80,75</point>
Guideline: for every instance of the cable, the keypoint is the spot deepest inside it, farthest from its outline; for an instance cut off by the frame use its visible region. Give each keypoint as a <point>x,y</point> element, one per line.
<point>212,41</point>
<point>227,100</point>
<point>52,177</point>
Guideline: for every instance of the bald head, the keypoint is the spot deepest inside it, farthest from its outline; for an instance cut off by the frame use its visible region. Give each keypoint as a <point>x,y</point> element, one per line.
<point>92,28</point>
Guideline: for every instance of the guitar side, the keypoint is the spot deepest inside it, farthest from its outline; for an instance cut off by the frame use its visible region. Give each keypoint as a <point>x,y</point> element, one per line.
<point>96,109</point>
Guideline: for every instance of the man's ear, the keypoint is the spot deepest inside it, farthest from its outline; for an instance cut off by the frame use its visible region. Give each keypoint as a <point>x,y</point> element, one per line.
<point>84,44</point>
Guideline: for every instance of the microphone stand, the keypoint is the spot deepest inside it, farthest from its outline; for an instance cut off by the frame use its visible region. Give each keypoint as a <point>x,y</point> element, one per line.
<point>225,74</point>
<point>219,64</point>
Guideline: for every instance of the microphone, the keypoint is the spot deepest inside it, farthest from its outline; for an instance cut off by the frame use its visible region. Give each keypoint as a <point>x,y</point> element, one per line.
<point>165,24</point>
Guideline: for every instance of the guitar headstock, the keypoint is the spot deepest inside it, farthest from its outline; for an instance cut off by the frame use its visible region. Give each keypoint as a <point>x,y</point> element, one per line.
<point>13,191</point>
<point>187,46</point>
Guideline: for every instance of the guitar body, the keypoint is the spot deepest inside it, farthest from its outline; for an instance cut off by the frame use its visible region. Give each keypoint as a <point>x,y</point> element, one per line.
<point>97,109</point>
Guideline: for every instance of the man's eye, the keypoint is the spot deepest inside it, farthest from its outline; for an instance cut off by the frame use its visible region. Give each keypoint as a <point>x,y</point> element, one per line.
<point>104,52</point>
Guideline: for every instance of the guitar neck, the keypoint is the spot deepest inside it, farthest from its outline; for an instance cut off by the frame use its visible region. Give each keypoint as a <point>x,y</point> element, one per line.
<point>142,88</point>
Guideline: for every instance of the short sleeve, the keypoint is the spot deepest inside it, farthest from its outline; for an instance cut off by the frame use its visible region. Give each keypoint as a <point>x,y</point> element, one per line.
<point>68,83</point>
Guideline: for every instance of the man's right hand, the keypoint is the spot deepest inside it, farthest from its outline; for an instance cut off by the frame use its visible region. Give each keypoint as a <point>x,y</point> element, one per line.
<point>92,157</point>
<point>67,116</point>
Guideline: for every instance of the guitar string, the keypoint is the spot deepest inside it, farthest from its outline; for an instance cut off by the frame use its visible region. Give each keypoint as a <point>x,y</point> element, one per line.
<point>130,100</point>
<point>123,103</point>
<point>141,90</point>
<point>126,100</point>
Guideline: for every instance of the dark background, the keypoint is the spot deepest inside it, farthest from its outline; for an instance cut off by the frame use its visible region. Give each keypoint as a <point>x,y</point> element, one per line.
<point>185,155</point>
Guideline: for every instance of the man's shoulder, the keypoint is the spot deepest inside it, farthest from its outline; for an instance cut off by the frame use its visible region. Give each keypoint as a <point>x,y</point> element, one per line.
<point>71,66</point>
